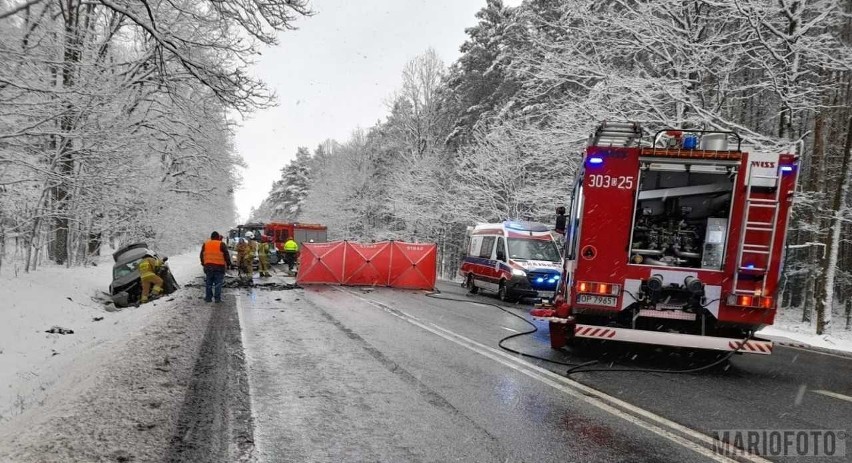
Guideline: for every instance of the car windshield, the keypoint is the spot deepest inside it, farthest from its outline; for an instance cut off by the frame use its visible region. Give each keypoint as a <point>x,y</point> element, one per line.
<point>124,269</point>
<point>526,249</point>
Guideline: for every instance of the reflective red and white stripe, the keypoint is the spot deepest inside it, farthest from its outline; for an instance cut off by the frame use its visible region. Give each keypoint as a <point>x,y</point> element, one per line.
<point>594,332</point>
<point>762,347</point>
<point>691,341</point>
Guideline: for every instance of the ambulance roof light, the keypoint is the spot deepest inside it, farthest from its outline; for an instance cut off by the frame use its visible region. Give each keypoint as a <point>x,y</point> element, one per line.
<point>526,226</point>
<point>595,160</point>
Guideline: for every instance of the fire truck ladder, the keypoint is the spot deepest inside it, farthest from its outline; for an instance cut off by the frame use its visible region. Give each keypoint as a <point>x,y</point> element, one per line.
<point>616,134</point>
<point>771,227</point>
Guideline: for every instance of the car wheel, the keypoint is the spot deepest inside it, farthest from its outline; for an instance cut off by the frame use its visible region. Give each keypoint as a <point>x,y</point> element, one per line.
<point>134,295</point>
<point>170,285</point>
<point>504,294</point>
<point>470,285</point>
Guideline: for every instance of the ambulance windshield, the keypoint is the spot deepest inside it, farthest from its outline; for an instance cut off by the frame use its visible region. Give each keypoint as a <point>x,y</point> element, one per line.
<point>532,249</point>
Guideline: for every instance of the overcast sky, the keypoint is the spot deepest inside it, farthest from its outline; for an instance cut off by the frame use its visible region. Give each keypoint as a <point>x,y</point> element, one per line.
<point>337,72</point>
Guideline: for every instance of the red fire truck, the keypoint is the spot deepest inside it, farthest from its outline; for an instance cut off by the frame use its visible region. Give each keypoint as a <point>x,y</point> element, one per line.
<point>300,232</point>
<point>674,241</point>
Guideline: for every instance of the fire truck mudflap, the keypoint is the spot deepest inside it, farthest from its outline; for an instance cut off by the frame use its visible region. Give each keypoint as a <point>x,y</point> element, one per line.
<point>657,338</point>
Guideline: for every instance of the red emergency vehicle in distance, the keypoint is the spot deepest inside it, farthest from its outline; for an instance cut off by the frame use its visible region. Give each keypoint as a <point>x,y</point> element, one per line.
<point>677,241</point>
<point>300,232</point>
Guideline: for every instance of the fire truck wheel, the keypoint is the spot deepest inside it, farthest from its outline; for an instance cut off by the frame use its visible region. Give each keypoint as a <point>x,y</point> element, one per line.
<point>503,293</point>
<point>471,287</point>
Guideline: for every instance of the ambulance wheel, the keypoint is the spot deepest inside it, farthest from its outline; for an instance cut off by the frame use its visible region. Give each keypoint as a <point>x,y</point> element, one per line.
<point>503,293</point>
<point>470,285</point>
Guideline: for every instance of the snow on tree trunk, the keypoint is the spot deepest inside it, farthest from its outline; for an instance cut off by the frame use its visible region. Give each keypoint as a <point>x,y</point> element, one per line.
<point>825,300</point>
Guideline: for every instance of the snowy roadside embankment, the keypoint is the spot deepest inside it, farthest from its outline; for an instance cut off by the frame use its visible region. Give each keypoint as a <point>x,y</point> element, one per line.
<point>129,367</point>
<point>789,329</point>
<point>32,360</point>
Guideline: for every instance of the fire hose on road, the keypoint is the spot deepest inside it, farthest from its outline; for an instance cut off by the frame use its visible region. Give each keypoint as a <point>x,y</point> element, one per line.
<point>582,367</point>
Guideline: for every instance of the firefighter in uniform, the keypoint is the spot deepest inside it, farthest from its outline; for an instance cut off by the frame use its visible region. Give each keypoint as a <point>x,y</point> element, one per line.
<point>249,251</point>
<point>291,248</point>
<point>242,250</point>
<point>148,268</point>
<point>263,256</point>
<point>215,259</point>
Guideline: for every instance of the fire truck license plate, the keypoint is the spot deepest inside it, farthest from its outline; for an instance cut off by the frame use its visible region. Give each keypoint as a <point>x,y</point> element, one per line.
<point>592,299</point>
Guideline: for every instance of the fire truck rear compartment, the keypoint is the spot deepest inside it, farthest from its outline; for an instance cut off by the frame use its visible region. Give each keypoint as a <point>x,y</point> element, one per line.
<point>681,215</point>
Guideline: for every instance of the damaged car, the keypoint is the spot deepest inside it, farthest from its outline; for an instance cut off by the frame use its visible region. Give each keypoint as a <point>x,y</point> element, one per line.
<point>126,286</point>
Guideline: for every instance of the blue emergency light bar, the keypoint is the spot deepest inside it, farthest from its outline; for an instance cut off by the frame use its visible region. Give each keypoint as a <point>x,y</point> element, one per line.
<point>595,160</point>
<point>526,226</point>
<point>786,168</point>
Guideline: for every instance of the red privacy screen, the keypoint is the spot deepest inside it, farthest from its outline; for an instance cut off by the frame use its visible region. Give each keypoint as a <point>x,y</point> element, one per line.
<point>387,263</point>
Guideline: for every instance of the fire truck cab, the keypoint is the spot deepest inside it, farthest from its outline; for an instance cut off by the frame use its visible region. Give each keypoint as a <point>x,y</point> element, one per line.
<point>239,233</point>
<point>300,232</point>
<point>677,240</point>
<point>513,259</point>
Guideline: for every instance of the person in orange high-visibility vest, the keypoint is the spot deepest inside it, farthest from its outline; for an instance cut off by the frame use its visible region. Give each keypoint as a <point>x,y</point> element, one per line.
<point>215,259</point>
<point>148,268</point>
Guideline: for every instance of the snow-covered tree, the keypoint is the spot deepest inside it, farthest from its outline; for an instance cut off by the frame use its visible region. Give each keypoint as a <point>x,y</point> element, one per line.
<point>289,192</point>
<point>113,118</point>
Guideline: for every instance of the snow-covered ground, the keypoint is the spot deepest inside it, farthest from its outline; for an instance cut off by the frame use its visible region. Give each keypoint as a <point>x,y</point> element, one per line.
<point>33,362</point>
<point>789,328</point>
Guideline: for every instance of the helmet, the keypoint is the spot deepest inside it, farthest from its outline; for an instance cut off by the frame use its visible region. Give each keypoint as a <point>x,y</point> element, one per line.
<point>250,235</point>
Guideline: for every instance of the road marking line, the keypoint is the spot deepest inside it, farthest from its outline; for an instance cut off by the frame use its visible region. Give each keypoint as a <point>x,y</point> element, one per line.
<point>577,390</point>
<point>844,357</point>
<point>507,329</point>
<point>248,359</point>
<point>833,394</point>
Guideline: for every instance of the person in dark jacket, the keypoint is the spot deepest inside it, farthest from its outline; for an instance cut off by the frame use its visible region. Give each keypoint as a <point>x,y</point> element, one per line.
<point>215,259</point>
<point>560,220</point>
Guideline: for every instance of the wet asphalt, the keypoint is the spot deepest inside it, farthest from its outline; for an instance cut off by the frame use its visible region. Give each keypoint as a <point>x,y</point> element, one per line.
<point>343,374</point>
<point>783,391</point>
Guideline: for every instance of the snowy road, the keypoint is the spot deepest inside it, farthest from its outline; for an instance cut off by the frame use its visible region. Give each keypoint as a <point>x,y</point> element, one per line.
<point>341,374</point>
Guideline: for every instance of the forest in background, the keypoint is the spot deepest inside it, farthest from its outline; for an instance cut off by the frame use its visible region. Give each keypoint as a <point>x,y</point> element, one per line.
<point>498,134</point>
<point>116,120</point>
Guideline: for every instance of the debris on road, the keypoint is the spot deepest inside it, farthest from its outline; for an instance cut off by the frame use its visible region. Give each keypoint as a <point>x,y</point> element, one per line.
<point>59,330</point>
<point>235,283</point>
